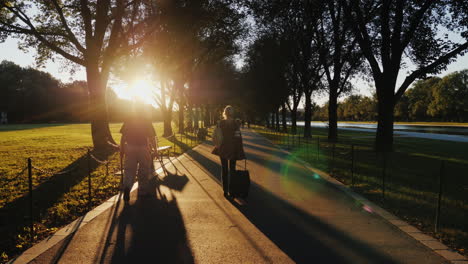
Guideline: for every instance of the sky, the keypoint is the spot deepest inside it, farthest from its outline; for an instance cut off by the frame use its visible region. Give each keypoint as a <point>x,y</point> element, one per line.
<point>9,51</point>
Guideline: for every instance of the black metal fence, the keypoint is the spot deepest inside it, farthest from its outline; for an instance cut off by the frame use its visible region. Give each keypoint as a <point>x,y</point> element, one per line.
<point>431,192</point>
<point>36,174</point>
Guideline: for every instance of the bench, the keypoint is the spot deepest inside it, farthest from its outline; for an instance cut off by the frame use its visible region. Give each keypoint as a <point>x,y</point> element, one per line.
<point>163,150</point>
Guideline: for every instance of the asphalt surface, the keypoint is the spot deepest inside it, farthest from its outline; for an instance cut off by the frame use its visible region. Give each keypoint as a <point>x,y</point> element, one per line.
<point>291,215</point>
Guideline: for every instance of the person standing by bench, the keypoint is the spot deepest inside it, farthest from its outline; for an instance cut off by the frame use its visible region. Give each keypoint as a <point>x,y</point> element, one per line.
<point>137,143</point>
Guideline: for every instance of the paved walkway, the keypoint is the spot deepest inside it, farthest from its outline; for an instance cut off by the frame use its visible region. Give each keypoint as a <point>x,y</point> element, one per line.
<point>291,215</point>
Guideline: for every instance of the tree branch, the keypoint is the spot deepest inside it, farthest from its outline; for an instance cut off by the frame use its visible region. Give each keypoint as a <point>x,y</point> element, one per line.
<point>415,21</point>
<point>359,26</point>
<point>33,31</point>
<point>86,15</point>
<point>71,36</point>
<point>101,23</point>
<point>385,33</point>
<point>421,71</point>
<point>396,36</point>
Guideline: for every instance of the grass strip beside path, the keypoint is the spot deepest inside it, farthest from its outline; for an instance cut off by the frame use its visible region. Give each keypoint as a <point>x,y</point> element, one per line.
<point>411,175</point>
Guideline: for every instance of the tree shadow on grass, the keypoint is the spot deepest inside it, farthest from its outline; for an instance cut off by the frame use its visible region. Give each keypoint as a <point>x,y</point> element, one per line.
<point>48,193</point>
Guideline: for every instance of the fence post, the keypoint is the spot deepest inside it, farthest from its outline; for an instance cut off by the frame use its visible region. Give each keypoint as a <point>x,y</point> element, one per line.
<point>384,168</point>
<point>439,200</point>
<point>89,179</point>
<point>352,164</point>
<point>31,224</point>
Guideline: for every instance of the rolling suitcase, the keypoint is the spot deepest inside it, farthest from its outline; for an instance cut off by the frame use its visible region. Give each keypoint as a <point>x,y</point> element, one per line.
<point>239,183</point>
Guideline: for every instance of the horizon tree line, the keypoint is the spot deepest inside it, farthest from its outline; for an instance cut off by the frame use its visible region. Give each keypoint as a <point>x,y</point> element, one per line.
<point>299,48</point>
<point>375,40</point>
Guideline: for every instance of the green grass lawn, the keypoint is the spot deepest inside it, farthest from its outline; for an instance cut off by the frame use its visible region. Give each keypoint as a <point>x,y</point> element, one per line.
<point>58,198</point>
<point>411,176</point>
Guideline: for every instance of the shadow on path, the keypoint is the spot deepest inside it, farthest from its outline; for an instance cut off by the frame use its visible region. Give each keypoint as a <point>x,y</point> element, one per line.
<point>303,237</point>
<point>151,230</point>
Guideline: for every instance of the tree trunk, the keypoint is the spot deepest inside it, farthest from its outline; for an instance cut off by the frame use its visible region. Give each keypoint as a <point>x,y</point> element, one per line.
<point>212,118</point>
<point>167,124</point>
<point>332,115</point>
<point>308,116</point>
<point>294,121</point>
<point>195,119</point>
<point>179,86</point>
<point>216,115</point>
<point>283,117</point>
<point>273,120</point>
<point>206,119</point>
<point>277,119</point>
<point>268,120</point>
<point>385,87</point>
<point>190,117</point>
<point>100,131</point>
<point>181,120</point>
<point>385,119</point>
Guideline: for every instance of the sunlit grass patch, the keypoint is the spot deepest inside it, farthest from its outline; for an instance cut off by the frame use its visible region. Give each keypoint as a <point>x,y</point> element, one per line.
<point>58,198</point>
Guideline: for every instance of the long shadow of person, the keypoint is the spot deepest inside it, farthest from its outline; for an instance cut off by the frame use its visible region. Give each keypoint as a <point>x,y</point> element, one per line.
<point>152,231</point>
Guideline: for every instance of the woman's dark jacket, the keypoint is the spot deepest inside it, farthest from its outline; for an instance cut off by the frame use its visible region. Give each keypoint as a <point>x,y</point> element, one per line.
<point>231,147</point>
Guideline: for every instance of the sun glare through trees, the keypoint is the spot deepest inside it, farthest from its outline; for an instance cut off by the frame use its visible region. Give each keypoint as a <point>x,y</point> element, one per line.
<point>96,95</point>
<point>142,90</point>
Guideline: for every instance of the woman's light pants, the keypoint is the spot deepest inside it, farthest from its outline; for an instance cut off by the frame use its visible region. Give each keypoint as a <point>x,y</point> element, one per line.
<point>137,162</point>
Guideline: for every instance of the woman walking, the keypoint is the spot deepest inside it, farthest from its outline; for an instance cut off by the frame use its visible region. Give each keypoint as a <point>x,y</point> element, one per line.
<point>230,150</point>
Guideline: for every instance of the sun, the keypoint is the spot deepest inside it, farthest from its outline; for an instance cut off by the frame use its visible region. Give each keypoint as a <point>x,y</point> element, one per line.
<point>140,91</point>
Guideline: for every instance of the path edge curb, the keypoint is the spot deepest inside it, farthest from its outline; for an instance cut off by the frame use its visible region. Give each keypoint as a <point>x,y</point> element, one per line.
<point>70,229</point>
<point>426,240</point>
